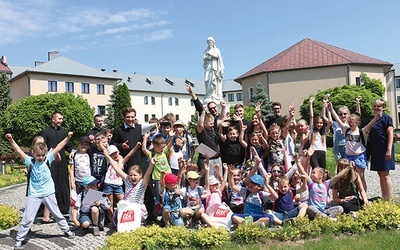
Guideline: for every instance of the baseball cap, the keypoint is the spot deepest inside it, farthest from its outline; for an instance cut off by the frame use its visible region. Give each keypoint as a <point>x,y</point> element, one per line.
<point>89,180</point>
<point>179,122</point>
<point>84,139</point>
<point>112,149</point>
<point>257,179</point>
<point>192,175</point>
<point>170,179</point>
<point>213,180</point>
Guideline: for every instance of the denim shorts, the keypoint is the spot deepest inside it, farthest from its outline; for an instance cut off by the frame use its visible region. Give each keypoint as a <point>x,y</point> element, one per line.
<point>360,160</point>
<point>112,189</point>
<point>289,214</point>
<point>338,151</point>
<point>85,217</point>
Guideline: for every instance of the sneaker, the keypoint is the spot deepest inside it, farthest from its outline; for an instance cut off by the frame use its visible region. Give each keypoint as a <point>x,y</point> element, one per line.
<point>354,214</point>
<point>333,219</point>
<point>18,245</point>
<point>96,231</point>
<point>290,222</point>
<point>69,235</point>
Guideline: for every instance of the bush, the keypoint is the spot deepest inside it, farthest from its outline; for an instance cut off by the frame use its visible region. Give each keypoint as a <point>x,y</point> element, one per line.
<point>9,217</point>
<point>379,215</point>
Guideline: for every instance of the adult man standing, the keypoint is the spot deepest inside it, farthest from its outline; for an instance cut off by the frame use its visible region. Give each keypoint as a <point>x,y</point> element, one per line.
<point>53,135</point>
<point>98,121</point>
<point>277,119</point>
<point>126,137</point>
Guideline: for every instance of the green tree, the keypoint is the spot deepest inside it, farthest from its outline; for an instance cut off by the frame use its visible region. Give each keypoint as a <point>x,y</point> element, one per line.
<point>261,96</point>
<point>374,85</point>
<point>30,115</point>
<point>120,99</point>
<point>191,128</point>
<point>342,96</point>
<point>5,101</point>
<point>248,112</point>
<point>109,121</point>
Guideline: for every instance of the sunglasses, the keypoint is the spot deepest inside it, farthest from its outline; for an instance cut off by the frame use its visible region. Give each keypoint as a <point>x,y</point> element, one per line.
<point>276,171</point>
<point>212,107</point>
<point>342,114</point>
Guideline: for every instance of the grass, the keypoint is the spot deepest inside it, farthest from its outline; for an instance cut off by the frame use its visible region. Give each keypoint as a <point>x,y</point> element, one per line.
<point>12,178</point>
<point>380,239</point>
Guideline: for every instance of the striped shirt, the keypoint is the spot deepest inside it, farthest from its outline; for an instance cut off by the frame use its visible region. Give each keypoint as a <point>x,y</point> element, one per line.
<point>134,194</point>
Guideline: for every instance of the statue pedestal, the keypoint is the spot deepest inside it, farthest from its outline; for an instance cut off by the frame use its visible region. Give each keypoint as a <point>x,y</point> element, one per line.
<point>217,101</point>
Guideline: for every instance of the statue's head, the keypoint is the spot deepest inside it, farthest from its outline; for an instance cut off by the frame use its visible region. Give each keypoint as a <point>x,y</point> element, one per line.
<point>210,42</point>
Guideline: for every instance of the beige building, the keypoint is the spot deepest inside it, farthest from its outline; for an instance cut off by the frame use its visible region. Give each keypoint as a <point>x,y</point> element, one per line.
<point>309,66</point>
<point>151,96</point>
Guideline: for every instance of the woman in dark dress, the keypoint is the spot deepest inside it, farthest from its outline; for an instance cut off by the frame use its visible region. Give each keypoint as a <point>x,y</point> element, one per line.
<point>382,148</point>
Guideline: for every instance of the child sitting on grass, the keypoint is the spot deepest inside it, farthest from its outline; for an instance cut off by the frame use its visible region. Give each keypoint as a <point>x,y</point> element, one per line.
<point>41,187</point>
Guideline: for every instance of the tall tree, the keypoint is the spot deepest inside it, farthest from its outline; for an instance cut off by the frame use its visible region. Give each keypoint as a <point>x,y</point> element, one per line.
<point>5,101</point>
<point>123,101</point>
<point>261,96</point>
<point>374,85</point>
<point>109,121</point>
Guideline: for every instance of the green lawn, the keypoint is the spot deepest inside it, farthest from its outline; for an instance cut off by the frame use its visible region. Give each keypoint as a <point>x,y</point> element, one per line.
<point>381,239</point>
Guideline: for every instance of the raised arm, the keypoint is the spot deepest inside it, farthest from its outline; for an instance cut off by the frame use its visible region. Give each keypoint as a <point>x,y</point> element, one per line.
<point>222,115</point>
<point>133,150</point>
<point>285,130</point>
<point>144,145</point>
<point>200,121</point>
<point>146,177</point>
<point>371,123</point>
<point>231,182</point>
<point>117,166</point>
<point>335,116</point>
<point>341,174</point>
<point>241,134</point>
<point>358,106</point>
<point>300,167</point>
<point>311,121</point>
<point>62,144</point>
<point>224,178</point>
<point>220,134</point>
<point>15,146</point>
<point>197,104</point>
<point>273,194</point>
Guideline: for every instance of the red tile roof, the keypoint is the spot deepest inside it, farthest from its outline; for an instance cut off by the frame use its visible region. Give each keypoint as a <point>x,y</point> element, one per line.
<point>4,68</point>
<point>310,54</point>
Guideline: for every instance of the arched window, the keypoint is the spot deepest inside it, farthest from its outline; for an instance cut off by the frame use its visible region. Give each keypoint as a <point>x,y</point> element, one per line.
<point>146,100</point>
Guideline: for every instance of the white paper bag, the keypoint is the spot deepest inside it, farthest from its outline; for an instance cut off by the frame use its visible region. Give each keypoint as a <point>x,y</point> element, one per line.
<point>73,197</point>
<point>129,216</point>
<point>222,216</point>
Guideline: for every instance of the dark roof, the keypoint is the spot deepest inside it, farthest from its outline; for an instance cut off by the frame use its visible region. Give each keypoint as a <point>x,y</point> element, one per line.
<point>310,53</point>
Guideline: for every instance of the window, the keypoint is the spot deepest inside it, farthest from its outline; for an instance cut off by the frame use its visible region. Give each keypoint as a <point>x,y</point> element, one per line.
<point>397,83</point>
<point>239,96</point>
<point>146,100</point>
<point>52,86</point>
<point>398,99</point>
<point>101,110</point>
<point>170,101</point>
<point>153,115</point>
<point>231,97</point>
<point>153,100</point>
<point>69,87</point>
<point>146,118</point>
<point>176,117</point>
<point>191,102</point>
<point>100,89</point>
<point>358,81</point>
<point>176,102</point>
<point>85,88</point>
<point>250,93</point>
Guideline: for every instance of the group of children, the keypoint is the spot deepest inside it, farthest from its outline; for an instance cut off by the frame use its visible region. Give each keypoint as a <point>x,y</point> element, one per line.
<point>264,178</point>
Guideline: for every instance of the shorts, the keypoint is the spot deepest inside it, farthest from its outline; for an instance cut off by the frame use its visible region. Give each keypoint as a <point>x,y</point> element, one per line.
<point>360,160</point>
<point>318,159</point>
<point>339,151</point>
<point>174,216</point>
<point>83,217</point>
<point>289,214</point>
<point>112,189</point>
<point>256,217</point>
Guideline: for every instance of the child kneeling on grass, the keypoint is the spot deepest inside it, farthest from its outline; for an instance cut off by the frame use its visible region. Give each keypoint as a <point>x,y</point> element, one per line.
<point>90,214</point>
<point>41,187</point>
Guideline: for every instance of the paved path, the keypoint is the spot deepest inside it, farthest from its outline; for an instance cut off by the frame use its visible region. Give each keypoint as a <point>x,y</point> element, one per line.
<point>49,236</point>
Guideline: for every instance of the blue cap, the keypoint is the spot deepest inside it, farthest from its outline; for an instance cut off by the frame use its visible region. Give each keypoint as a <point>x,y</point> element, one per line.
<point>257,179</point>
<point>89,180</point>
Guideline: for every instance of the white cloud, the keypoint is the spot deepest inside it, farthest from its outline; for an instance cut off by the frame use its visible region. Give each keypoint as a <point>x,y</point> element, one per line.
<point>28,19</point>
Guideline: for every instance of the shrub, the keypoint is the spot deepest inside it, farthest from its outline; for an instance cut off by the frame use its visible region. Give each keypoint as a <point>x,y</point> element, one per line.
<point>9,217</point>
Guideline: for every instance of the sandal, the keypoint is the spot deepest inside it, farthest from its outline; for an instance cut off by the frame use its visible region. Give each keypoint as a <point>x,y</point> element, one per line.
<point>48,222</point>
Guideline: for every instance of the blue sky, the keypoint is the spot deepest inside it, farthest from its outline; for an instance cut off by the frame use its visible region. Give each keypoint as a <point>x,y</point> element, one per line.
<point>167,38</point>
